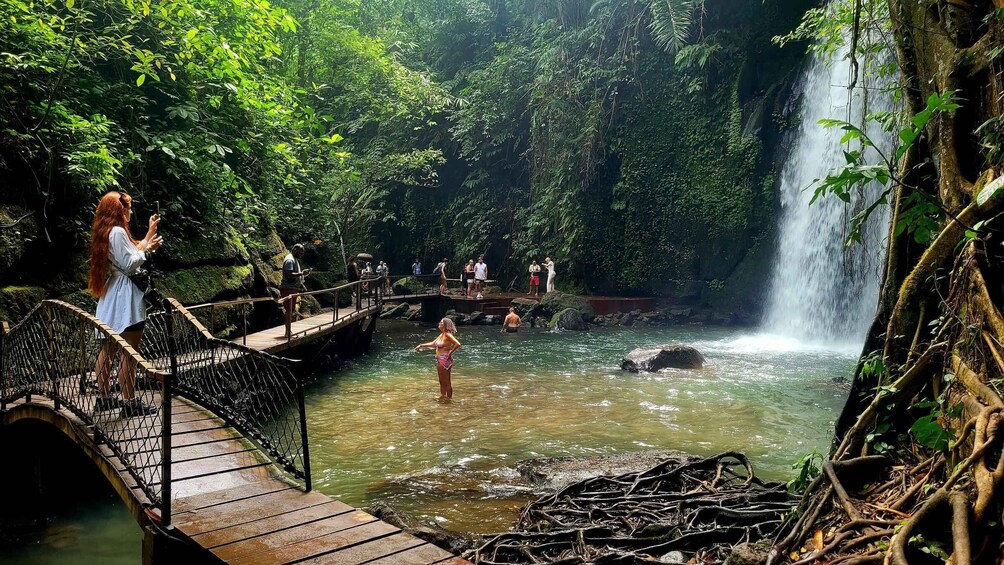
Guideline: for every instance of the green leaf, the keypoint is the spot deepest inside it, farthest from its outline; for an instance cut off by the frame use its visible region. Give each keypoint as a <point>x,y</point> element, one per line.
<point>930,433</point>
<point>140,80</point>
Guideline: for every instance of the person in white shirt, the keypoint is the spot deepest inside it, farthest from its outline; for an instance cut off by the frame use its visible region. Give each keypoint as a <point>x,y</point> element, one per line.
<point>480,274</point>
<point>549,265</point>
<point>114,256</point>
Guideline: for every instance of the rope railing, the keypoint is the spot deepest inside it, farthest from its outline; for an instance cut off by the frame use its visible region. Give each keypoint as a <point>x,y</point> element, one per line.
<point>63,355</point>
<point>256,393</point>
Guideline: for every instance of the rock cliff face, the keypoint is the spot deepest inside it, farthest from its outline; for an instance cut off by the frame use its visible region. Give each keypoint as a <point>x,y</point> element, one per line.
<point>210,266</point>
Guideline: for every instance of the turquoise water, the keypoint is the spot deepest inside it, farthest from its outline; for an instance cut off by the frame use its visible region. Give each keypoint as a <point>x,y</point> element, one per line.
<point>100,531</point>
<point>378,432</point>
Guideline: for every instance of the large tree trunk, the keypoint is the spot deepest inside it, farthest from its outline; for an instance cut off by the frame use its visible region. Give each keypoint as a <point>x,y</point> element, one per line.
<point>938,331</point>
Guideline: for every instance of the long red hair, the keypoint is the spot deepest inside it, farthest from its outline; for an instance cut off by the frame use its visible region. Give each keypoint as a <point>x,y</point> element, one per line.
<point>113,210</point>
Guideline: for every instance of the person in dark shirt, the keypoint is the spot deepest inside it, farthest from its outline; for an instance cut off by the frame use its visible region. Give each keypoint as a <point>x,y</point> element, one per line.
<point>292,278</point>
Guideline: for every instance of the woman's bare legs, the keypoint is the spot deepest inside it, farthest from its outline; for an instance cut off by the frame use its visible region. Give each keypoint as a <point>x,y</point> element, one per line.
<point>103,368</point>
<point>127,370</point>
<point>445,384</point>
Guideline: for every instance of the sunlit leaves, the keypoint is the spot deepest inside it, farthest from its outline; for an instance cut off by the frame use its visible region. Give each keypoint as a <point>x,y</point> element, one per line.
<point>919,213</point>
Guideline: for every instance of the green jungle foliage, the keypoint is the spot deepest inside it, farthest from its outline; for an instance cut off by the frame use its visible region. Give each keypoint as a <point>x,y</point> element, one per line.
<point>626,139</point>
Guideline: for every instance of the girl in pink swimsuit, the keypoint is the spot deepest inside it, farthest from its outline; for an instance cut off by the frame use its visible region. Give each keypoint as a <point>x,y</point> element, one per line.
<point>444,345</point>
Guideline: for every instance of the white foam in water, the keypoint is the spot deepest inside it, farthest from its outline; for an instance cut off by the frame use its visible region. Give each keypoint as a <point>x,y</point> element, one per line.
<point>822,292</point>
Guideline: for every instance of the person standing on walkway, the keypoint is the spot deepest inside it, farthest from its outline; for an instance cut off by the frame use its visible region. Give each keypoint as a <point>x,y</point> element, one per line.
<point>416,267</point>
<point>441,270</point>
<point>480,275</point>
<point>468,281</point>
<point>115,255</point>
<point>445,345</point>
<point>549,265</point>
<point>534,278</point>
<point>292,279</point>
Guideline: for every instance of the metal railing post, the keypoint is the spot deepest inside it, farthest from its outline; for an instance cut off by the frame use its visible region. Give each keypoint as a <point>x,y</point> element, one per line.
<point>303,433</point>
<point>359,295</point>
<point>50,365</point>
<point>244,339</point>
<point>288,306</point>
<point>165,416</point>
<point>3,366</point>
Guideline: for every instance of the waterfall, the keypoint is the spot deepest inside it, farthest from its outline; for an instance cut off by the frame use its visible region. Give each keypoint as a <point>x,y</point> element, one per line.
<point>823,292</point>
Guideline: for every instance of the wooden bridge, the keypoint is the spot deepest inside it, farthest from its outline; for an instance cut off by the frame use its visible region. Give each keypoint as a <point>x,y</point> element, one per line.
<point>205,440</point>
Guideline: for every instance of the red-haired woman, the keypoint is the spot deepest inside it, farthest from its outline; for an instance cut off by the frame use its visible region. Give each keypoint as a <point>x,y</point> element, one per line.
<point>114,256</point>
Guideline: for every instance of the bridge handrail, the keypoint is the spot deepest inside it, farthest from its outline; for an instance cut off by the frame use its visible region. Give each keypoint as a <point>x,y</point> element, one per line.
<point>253,391</point>
<point>60,352</point>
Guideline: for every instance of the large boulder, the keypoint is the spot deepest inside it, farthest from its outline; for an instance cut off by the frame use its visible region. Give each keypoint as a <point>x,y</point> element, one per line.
<point>396,312</point>
<point>408,285</point>
<point>568,319</point>
<point>526,307</point>
<point>555,302</point>
<point>652,359</point>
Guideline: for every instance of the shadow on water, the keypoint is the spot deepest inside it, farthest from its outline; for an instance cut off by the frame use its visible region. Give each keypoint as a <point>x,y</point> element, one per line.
<point>57,507</point>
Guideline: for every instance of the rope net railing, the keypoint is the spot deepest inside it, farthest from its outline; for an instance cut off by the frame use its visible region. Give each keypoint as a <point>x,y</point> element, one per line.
<point>256,393</point>
<point>63,355</point>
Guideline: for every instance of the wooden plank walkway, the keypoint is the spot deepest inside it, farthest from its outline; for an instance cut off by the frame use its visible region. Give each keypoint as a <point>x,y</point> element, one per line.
<point>273,340</point>
<point>229,499</point>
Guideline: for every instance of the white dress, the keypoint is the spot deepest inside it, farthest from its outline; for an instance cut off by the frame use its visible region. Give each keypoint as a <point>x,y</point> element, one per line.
<point>550,276</point>
<point>122,304</point>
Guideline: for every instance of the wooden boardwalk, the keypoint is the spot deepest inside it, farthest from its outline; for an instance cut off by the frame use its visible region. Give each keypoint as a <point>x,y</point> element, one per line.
<point>273,340</point>
<point>230,500</point>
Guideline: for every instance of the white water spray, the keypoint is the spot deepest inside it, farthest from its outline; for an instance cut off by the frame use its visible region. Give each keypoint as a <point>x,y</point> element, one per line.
<point>823,292</point>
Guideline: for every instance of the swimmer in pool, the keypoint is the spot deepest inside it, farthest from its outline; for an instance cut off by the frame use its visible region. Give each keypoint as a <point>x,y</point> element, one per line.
<point>444,345</point>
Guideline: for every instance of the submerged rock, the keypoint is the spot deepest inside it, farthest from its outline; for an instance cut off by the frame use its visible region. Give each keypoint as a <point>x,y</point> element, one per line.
<point>555,473</point>
<point>431,532</point>
<point>568,319</point>
<point>652,359</point>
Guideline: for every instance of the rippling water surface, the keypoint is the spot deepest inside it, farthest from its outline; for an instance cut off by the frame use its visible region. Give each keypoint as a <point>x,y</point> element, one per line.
<point>378,432</point>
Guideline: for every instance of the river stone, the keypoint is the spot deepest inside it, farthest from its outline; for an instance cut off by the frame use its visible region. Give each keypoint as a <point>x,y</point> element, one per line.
<point>395,312</point>
<point>748,554</point>
<point>555,302</point>
<point>408,285</point>
<point>476,317</point>
<point>525,307</point>
<point>652,359</point>
<point>568,319</point>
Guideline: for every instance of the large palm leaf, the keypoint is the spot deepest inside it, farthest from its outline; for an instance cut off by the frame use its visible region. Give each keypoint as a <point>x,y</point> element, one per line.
<point>672,22</point>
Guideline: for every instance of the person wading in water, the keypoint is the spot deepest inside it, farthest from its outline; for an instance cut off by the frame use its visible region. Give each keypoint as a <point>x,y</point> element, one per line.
<point>512,322</point>
<point>444,345</point>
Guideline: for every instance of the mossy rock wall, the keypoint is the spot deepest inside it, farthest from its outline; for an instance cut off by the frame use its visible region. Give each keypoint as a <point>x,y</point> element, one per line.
<point>16,301</point>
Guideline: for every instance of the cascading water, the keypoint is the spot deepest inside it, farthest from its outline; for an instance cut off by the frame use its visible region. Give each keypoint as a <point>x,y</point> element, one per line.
<point>822,291</point>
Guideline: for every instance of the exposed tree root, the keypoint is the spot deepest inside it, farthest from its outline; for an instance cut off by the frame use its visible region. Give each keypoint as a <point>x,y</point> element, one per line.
<point>700,505</point>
